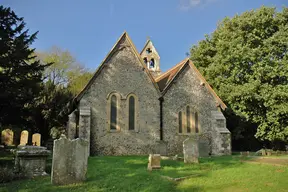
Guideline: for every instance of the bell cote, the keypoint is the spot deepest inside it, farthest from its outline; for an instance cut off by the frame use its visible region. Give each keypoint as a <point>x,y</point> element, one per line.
<point>151,58</point>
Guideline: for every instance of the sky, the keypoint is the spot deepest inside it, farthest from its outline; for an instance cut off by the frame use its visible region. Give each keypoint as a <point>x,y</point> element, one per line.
<point>90,28</point>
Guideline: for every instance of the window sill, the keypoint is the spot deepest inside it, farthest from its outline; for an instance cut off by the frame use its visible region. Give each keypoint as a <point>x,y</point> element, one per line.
<point>133,131</point>
<point>114,131</point>
<point>187,134</point>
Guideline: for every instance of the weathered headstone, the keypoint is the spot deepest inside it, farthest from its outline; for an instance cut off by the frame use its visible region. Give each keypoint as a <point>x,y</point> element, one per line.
<point>204,147</point>
<point>71,126</point>
<point>154,162</point>
<point>70,158</point>
<point>31,160</point>
<point>84,124</point>
<point>36,139</point>
<point>191,150</point>
<point>24,138</point>
<point>161,148</point>
<point>7,136</point>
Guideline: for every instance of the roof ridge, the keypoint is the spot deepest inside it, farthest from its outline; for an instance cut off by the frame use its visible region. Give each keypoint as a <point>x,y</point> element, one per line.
<point>163,75</point>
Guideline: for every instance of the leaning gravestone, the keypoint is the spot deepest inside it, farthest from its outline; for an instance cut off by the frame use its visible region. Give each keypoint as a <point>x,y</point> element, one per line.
<point>154,162</point>
<point>7,136</point>
<point>36,139</point>
<point>70,158</point>
<point>191,150</point>
<point>24,138</point>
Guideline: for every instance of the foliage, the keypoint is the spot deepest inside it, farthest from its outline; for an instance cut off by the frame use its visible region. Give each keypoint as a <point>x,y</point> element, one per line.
<point>226,173</point>
<point>246,61</point>
<point>20,73</point>
<point>46,110</point>
<point>64,78</point>
<point>65,70</point>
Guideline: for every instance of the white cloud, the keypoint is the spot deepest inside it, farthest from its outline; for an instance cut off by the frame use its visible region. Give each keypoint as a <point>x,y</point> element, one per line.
<point>189,4</point>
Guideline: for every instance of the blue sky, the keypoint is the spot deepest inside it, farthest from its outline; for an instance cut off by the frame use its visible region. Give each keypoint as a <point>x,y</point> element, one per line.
<point>89,28</point>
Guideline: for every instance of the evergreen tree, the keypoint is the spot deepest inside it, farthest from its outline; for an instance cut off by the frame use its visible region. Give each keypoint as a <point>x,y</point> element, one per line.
<point>20,72</point>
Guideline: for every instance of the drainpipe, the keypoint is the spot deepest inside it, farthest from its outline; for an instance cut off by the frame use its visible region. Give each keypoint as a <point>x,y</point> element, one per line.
<point>161,99</point>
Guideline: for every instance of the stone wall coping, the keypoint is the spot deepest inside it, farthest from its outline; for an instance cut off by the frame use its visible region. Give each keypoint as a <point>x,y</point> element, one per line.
<point>32,151</point>
<point>217,115</point>
<point>223,130</point>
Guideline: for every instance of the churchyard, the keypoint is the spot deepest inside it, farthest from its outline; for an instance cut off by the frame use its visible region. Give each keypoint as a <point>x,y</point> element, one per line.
<point>129,173</point>
<point>68,168</point>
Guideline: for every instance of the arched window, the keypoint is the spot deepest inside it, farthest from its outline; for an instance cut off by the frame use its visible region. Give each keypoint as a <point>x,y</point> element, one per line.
<point>113,113</point>
<point>132,111</point>
<point>151,64</point>
<point>145,60</point>
<point>180,121</point>
<point>188,119</point>
<point>196,123</point>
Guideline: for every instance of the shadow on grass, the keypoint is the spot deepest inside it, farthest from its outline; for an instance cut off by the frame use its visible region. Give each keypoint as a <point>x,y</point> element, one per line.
<point>128,173</point>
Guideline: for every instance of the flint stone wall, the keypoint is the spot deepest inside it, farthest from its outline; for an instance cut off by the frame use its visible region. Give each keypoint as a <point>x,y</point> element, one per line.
<point>123,74</point>
<point>187,90</point>
<point>221,143</point>
<point>70,158</point>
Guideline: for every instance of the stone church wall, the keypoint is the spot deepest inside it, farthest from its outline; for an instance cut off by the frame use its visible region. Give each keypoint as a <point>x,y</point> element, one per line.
<point>187,89</point>
<point>123,75</point>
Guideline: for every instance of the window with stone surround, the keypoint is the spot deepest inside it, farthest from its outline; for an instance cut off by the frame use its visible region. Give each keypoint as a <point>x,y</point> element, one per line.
<point>113,113</point>
<point>180,121</point>
<point>132,113</point>
<point>113,103</point>
<point>196,122</point>
<point>188,121</point>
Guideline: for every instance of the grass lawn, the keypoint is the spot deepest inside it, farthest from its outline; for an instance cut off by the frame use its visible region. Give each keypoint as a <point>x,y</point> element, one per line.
<point>128,173</point>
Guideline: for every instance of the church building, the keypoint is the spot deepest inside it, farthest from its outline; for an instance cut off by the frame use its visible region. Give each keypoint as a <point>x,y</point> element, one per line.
<point>131,107</point>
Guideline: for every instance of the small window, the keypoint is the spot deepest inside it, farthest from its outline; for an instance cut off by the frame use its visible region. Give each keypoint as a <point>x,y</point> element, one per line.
<point>151,64</point>
<point>145,60</point>
<point>131,113</point>
<point>196,123</point>
<point>180,121</point>
<point>148,51</point>
<point>188,119</point>
<point>113,113</point>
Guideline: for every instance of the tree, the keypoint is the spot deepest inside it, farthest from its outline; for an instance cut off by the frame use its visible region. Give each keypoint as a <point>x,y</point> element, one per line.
<point>64,78</point>
<point>246,61</point>
<point>65,70</point>
<point>20,73</point>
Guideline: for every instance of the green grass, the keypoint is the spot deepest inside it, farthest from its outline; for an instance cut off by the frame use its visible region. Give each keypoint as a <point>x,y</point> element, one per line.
<point>129,173</point>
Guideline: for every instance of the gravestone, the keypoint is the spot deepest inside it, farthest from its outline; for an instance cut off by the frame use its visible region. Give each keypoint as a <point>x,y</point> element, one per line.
<point>71,126</point>
<point>84,124</point>
<point>24,138</point>
<point>7,136</point>
<point>154,162</point>
<point>30,161</point>
<point>36,139</point>
<point>204,147</point>
<point>70,158</point>
<point>191,150</point>
<point>161,148</point>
